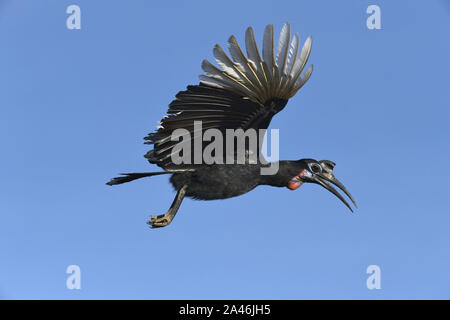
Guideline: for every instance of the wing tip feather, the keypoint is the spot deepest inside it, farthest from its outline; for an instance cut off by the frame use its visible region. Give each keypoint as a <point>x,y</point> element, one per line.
<point>272,76</point>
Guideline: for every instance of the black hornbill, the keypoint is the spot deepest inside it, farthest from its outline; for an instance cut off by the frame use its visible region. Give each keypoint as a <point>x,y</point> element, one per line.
<point>244,93</point>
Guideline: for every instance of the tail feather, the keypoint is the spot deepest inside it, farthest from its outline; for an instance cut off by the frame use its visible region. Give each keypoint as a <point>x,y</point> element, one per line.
<point>127,177</point>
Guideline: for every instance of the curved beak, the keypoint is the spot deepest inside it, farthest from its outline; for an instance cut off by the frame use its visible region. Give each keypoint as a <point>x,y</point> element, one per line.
<point>325,179</point>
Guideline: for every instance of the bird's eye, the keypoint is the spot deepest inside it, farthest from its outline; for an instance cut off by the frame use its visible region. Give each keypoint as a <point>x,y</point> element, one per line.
<point>315,168</point>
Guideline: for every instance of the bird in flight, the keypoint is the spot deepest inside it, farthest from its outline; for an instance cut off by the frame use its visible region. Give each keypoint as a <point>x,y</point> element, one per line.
<point>242,94</point>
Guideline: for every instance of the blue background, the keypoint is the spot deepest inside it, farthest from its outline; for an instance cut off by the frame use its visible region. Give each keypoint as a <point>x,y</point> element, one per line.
<point>75,105</point>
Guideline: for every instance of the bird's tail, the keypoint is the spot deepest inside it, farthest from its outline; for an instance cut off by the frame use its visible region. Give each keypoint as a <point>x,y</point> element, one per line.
<point>127,177</point>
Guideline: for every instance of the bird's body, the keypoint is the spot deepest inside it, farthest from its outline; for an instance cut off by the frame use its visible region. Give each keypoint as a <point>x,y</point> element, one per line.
<point>222,181</point>
<point>240,99</point>
<point>218,181</point>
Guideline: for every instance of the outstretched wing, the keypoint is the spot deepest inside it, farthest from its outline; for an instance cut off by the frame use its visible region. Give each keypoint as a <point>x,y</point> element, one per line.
<point>245,93</point>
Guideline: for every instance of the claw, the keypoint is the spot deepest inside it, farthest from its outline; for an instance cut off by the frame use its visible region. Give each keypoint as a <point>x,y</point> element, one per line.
<point>159,221</point>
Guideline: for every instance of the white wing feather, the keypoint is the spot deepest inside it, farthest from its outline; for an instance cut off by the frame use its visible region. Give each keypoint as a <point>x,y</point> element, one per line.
<point>283,48</point>
<point>292,55</point>
<point>268,50</point>
<point>261,79</point>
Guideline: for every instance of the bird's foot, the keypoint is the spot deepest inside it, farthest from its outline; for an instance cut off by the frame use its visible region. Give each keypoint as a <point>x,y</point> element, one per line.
<point>159,221</point>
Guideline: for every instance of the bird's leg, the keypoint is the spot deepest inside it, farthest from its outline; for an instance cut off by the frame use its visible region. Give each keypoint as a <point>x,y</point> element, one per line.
<point>166,218</point>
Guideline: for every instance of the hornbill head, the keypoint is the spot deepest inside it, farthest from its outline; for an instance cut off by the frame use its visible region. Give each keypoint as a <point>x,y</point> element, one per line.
<point>321,173</point>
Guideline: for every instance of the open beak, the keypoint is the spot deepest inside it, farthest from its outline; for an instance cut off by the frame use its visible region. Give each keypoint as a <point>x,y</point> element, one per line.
<point>325,179</point>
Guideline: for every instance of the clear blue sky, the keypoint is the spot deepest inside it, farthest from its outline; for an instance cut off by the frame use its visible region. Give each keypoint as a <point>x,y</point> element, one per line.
<point>75,105</point>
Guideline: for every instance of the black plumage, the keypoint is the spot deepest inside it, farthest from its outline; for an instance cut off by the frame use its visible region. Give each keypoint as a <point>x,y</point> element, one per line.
<point>217,109</point>
<point>244,95</point>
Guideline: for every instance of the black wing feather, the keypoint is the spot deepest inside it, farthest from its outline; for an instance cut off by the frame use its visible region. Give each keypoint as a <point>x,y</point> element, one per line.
<point>217,108</point>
